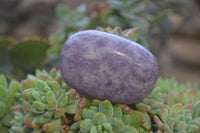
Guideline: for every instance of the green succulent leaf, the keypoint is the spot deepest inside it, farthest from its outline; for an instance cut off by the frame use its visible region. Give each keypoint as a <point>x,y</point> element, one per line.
<point>171,98</point>
<point>99,118</point>
<point>28,120</point>
<point>28,83</point>
<point>3,94</point>
<point>53,125</point>
<point>117,112</point>
<point>196,110</point>
<point>85,125</point>
<point>117,125</point>
<point>39,105</point>
<point>51,99</point>
<point>138,118</point>
<point>71,108</point>
<point>107,109</point>
<point>107,127</point>
<point>3,81</point>
<point>59,112</point>
<point>164,115</point>
<point>93,129</point>
<point>129,129</point>
<point>2,109</point>
<point>193,95</point>
<point>55,87</point>
<point>88,114</point>
<point>147,124</point>
<point>75,126</point>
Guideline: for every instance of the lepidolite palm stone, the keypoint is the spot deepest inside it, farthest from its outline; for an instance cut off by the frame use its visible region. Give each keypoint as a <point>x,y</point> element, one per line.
<point>105,66</point>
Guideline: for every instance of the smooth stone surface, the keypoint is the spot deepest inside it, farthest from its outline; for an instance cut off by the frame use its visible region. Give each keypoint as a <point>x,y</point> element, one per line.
<point>105,66</point>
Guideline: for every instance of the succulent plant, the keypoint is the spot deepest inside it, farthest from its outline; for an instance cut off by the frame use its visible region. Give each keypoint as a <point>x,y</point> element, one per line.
<point>17,122</point>
<point>179,118</point>
<point>95,116</point>
<point>131,34</point>
<point>181,112</point>
<point>14,54</point>
<point>46,100</point>
<point>142,14</point>
<point>157,99</point>
<point>173,111</point>
<point>7,99</point>
<point>48,103</point>
<point>134,14</point>
<point>29,51</point>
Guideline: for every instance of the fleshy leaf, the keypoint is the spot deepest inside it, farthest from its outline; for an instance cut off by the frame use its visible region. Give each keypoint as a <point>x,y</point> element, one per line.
<point>51,99</point>
<point>117,125</point>
<point>99,119</point>
<point>52,126</point>
<point>85,125</point>
<point>2,109</point>
<point>193,95</point>
<point>106,108</point>
<point>171,98</point>
<point>138,118</point>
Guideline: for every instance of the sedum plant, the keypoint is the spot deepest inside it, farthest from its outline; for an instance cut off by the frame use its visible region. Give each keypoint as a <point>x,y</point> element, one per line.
<point>7,100</point>
<point>102,117</point>
<point>174,107</point>
<point>46,100</point>
<point>181,113</point>
<point>131,34</point>
<point>17,122</point>
<point>49,105</point>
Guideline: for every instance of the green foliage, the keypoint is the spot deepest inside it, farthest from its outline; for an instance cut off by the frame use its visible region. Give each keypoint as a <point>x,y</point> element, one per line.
<point>142,14</point>
<point>181,113</point>
<point>17,122</point>
<point>70,21</point>
<point>134,11</point>
<point>48,104</point>
<point>46,97</point>
<point>125,14</point>
<point>131,34</point>
<point>4,45</point>
<point>98,117</point>
<point>7,100</point>
<point>174,107</point>
<point>16,57</point>
<point>27,53</point>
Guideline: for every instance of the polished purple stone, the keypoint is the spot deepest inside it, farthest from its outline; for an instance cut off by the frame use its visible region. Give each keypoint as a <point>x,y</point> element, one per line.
<point>105,66</point>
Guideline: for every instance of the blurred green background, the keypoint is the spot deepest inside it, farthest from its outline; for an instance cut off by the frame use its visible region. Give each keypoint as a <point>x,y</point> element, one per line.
<point>32,32</point>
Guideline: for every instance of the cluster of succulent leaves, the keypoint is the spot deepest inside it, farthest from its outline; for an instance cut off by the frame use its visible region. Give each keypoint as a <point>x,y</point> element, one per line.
<point>23,55</point>
<point>9,102</point>
<point>174,108</point>
<point>49,105</point>
<point>46,99</point>
<point>131,34</point>
<point>95,116</point>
